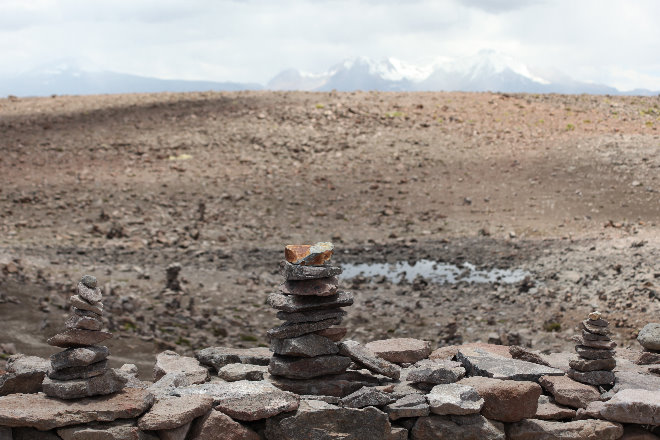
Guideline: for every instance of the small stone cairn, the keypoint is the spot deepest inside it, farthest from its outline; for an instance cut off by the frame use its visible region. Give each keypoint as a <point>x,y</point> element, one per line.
<point>595,349</point>
<point>305,345</point>
<point>81,370</point>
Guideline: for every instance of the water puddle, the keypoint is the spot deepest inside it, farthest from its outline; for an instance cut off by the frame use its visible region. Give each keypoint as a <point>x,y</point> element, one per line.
<point>437,272</point>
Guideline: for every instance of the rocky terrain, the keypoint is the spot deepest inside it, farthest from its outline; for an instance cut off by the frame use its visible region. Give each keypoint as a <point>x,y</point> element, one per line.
<point>564,188</point>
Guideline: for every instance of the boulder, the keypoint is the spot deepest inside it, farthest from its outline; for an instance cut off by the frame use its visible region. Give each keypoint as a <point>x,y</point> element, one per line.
<point>435,372</point>
<point>306,368</point>
<point>235,372</point>
<point>172,362</point>
<point>42,412</point>
<point>400,350</point>
<point>503,368</point>
<point>649,336</point>
<point>365,357</point>
<point>218,357</point>
<point>533,429</point>
<point>174,412</point>
<point>506,400</point>
<point>568,392</point>
<point>411,405</point>
<point>24,374</point>
<point>641,407</point>
<point>454,399</point>
<point>315,419</point>
<point>366,396</point>
<point>471,427</point>
<point>309,345</point>
<point>210,425</point>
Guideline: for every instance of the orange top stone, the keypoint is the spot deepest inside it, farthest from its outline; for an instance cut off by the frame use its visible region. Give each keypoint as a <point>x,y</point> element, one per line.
<point>308,254</point>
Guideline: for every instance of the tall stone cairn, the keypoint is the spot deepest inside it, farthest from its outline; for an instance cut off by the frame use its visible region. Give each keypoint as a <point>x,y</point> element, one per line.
<point>81,370</point>
<point>595,349</point>
<point>305,345</point>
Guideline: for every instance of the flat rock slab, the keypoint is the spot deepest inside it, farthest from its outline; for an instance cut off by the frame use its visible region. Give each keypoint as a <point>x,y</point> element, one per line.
<point>311,316</point>
<point>306,368</point>
<point>24,374</point>
<point>435,372</point>
<point>172,362</point>
<point>568,392</point>
<point>218,357</point>
<point>174,412</point>
<point>295,272</point>
<point>366,396</point>
<point>581,364</point>
<point>316,287</point>
<point>245,400</point>
<point>533,429</point>
<point>91,294</point>
<point>79,357</point>
<point>216,423</point>
<point>293,330</point>
<point>455,399</point>
<point>83,322</point>
<point>548,410</point>
<point>630,380</point>
<point>471,427</point>
<point>117,430</point>
<point>78,302</point>
<point>506,400</point>
<point>107,383</point>
<point>294,303</point>
<point>412,405</point>
<point>74,337</point>
<point>527,355</point>
<point>337,385</point>
<point>592,377</point>
<point>365,357</point>
<point>502,368</point>
<point>309,345</point>
<point>42,412</point>
<point>641,407</point>
<point>400,350</point>
<point>84,372</point>
<point>315,419</point>
<point>593,353</point>
<point>236,372</point>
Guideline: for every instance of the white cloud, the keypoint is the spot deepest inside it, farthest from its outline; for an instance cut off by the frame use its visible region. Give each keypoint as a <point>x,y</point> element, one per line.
<point>251,40</point>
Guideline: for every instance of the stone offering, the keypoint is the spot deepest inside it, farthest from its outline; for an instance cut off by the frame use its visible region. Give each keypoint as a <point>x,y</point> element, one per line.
<point>595,350</point>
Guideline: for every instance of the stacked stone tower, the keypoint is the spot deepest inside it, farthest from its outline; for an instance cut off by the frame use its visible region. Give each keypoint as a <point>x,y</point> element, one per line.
<point>81,370</point>
<point>595,349</point>
<point>305,345</point>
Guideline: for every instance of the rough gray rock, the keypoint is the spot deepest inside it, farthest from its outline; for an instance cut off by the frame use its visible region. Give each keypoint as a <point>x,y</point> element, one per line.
<point>524,354</point>
<point>314,418</point>
<point>174,412</point>
<point>117,430</point>
<point>412,405</point>
<point>593,353</point>
<point>84,372</point>
<point>309,345</point>
<point>595,329</point>
<point>630,380</point>
<point>235,372</point>
<point>78,302</point>
<point>506,400</point>
<point>306,368</point>
<point>400,350</point>
<point>171,362</point>
<point>74,337</point>
<point>338,385</point>
<point>548,410</point>
<point>296,303</point>
<point>245,400</point>
<point>641,407</point>
<point>503,368</point>
<point>43,413</point>
<point>580,364</point>
<point>361,355</point>
<point>600,344</point>
<point>315,287</point>
<point>649,336</point>
<point>24,374</point>
<point>79,357</point>
<point>293,330</point>
<point>89,281</point>
<point>592,377</point>
<point>435,372</point>
<point>216,423</point>
<point>533,429</point>
<point>454,399</point>
<point>218,357</point>
<point>311,315</point>
<point>366,396</point>
<point>90,294</point>
<point>107,383</point>
<point>471,427</point>
<point>83,322</point>
<point>296,272</point>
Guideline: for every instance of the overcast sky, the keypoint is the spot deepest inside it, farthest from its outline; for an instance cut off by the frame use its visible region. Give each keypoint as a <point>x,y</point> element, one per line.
<point>614,42</point>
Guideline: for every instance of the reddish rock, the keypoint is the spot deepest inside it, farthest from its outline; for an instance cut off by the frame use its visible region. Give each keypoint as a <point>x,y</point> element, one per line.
<point>577,430</point>
<point>335,334</point>
<point>506,400</point>
<point>548,410</point>
<point>444,353</point>
<point>74,337</point>
<point>308,255</point>
<point>568,392</point>
<point>25,374</point>
<point>400,350</point>
<point>174,412</point>
<point>209,427</point>
<point>315,287</point>
<point>42,412</point>
<point>641,407</point>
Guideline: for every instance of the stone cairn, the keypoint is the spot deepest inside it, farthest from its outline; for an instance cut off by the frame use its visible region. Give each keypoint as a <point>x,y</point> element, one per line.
<point>305,345</point>
<point>82,369</point>
<point>595,349</point>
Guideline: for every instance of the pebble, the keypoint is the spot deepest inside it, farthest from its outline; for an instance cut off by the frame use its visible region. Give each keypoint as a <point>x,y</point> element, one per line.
<point>594,316</point>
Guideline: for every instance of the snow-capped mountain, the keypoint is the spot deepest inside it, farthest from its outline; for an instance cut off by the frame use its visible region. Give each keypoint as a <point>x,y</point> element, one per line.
<point>486,71</point>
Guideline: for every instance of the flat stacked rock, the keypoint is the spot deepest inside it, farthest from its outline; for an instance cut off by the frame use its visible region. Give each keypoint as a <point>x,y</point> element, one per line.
<point>595,349</point>
<point>82,369</point>
<point>305,345</point>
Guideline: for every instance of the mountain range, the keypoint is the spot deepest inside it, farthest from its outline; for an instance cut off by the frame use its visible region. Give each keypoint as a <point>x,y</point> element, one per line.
<point>485,71</point>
